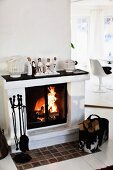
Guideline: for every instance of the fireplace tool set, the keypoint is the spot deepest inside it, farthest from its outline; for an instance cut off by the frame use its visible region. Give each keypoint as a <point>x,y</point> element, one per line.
<point>23,142</point>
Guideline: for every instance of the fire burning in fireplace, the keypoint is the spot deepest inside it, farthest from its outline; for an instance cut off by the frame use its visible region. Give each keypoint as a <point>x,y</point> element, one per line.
<point>52,106</point>
<point>48,105</point>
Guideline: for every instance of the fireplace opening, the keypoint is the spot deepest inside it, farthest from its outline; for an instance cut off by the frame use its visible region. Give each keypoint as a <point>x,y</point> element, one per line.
<point>46,105</point>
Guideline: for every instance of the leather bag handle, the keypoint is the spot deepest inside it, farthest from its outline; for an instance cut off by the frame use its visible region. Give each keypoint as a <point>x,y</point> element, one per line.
<point>94,116</point>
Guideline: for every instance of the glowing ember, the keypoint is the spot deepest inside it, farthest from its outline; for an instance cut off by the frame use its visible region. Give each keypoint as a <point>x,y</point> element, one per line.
<point>52,107</point>
<point>41,119</point>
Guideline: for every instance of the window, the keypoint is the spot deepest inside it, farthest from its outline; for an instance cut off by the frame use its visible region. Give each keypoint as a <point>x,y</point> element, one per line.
<point>91,33</point>
<point>80,28</point>
<point>108,37</point>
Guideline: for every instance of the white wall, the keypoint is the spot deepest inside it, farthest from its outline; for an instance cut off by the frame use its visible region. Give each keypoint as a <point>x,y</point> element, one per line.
<point>34,28</point>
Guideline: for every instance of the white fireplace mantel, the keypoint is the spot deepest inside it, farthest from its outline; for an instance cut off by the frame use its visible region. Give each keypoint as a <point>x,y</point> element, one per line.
<point>37,81</point>
<point>52,134</point>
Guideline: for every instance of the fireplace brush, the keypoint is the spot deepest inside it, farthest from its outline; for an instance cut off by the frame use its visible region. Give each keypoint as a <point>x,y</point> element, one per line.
<point>13,106</point>
<point>24,140</point>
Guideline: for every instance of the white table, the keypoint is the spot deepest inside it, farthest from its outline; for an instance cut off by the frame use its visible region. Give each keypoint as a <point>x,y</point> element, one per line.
<point>108,60</point>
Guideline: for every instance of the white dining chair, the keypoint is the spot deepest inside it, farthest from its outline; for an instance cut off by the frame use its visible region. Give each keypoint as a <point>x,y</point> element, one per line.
<point>100,72</point>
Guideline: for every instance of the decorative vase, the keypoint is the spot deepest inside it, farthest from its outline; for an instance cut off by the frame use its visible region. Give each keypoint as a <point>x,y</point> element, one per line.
<point>15,66</point>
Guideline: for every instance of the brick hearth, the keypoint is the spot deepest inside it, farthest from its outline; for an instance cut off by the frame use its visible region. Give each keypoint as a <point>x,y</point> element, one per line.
<point>51,154</point>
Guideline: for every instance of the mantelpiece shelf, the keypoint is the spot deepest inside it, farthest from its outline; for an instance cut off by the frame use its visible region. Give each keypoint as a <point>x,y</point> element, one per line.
<point>62,73</point>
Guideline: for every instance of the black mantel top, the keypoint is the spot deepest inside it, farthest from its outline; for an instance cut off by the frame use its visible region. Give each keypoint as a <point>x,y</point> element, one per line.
<point>62,73</point>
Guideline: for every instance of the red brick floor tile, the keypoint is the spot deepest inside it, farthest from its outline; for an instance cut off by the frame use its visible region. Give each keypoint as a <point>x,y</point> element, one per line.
<point>36,164</point>
<point>20,168</point>
<point>52,160</point>
<point>27,166</point>
<point>60,158</point>
<point>44,162</point>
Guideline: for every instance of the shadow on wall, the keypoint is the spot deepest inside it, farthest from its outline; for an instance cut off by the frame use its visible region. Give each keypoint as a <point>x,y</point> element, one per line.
<point>77,108</point>
<point>3,68</point>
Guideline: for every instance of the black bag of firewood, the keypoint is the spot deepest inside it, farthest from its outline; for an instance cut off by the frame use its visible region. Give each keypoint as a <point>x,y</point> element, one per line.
<point>93,132</point>
<point>3,145</point>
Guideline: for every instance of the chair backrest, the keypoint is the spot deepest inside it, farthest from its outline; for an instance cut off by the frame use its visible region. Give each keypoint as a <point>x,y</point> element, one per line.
<point>96,68</point>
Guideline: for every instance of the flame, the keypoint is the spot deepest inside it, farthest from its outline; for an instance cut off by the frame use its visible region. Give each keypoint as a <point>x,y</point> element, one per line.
<point>40,105</point>
<point>52,107</point>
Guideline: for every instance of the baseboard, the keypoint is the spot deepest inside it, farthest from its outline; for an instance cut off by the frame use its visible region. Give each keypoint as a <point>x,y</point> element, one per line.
<point>97,106</point>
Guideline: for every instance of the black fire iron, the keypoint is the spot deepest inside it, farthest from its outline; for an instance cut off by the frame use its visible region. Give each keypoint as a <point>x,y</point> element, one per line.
<point>23,143</point>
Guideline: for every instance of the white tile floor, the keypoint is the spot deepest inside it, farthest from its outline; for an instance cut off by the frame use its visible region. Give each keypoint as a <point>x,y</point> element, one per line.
<point>92,161</point>
<point>101,99</point>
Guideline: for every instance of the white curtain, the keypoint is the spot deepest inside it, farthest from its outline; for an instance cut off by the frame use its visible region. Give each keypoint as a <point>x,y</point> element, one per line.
<point>96,33</point>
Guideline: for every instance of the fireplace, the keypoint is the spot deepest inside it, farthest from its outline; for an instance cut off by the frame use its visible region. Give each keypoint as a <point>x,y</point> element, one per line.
<point>57,127</point>
<point>46,105</point>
